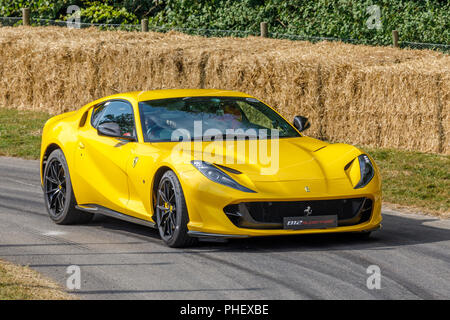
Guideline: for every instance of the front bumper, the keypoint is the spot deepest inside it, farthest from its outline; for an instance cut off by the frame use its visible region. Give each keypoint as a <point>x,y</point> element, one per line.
<point>206,201</point>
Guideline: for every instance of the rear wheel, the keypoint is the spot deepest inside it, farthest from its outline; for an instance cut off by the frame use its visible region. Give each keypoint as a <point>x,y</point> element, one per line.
<point>171,212</point>
<point>58,193</point>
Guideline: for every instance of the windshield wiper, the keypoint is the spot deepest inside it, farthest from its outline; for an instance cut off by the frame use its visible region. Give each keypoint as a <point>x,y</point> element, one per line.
<point>225,136</point>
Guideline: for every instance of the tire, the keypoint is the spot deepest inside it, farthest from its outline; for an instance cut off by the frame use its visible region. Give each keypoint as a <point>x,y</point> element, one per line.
<point>58,192</point>
<point>171,212</point>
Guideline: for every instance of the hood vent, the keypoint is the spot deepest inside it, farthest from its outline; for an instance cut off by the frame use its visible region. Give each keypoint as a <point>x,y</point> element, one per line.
<point>320,148</point>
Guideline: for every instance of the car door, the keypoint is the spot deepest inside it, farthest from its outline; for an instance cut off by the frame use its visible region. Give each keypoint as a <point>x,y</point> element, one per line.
<point>101,161</point>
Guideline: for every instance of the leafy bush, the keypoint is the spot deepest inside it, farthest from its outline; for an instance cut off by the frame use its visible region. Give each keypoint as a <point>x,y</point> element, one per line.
<point>43,9</point>
<point>98,12</point>
<point>91,11</point>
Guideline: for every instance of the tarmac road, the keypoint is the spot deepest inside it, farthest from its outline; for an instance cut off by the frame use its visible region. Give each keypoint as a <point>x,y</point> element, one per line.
<point>124,261</point>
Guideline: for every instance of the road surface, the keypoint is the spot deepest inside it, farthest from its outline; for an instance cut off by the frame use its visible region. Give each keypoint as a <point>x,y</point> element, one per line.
<point>120,260</point>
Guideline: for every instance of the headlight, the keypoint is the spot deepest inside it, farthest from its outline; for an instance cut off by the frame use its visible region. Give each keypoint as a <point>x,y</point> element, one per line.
<point>217,175</point>
<point>367,171</point>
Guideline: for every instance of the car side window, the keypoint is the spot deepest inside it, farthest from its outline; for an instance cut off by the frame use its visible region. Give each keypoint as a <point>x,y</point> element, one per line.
<point>116,111</point>
<point>96,113</point>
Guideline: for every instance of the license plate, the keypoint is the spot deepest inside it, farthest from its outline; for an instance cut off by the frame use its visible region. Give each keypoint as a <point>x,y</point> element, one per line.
<point>318,222</point>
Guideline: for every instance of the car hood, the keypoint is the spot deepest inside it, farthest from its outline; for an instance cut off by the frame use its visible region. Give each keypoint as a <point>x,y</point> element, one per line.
<point>301,158</point>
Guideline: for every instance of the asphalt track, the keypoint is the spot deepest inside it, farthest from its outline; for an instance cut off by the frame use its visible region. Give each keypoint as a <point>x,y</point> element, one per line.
<point>120,260</point>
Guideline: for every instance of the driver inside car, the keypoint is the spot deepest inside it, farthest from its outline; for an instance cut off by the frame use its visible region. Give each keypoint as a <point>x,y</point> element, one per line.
<point>232,115</point>
<point>154,129</point>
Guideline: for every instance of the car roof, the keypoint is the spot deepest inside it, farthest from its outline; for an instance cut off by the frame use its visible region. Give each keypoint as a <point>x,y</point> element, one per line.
<point>180,93</point>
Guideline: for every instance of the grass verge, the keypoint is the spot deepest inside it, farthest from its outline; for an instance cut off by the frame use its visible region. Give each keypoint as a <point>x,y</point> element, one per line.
<point>419,181</point>
<point>20,132</point>
<point>410,179</point>
<point>22,283</point>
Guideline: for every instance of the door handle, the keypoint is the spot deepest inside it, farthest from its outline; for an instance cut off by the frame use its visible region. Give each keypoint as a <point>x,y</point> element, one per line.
<point>80,145</point>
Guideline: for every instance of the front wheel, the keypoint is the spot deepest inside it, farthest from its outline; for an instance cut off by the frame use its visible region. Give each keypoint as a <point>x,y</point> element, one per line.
<point>58,193</point>
<point>171,212</point>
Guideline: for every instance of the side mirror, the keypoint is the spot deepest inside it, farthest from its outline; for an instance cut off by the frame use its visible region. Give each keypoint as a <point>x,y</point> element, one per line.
<point>301,123</point>
<point>111,129</point>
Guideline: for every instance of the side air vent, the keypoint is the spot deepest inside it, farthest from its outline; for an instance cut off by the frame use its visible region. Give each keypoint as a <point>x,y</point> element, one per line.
<point>83,119</point>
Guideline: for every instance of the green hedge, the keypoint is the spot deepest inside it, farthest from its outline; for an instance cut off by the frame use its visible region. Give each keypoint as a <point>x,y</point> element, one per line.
<point>417,21</point>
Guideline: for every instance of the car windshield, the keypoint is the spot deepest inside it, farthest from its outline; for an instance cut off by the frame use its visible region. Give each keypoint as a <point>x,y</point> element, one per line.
<point>209,118</point>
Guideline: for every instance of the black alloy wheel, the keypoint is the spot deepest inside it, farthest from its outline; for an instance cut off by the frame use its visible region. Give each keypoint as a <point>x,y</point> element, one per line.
<point>55,188</point>
<point>58,193</point>
<point>171,212</point>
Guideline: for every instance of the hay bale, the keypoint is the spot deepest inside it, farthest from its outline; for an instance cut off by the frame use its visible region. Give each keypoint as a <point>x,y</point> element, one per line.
<point>377,96</point>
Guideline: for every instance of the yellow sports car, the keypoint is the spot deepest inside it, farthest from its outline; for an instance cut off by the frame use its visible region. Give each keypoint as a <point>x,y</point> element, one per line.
<point>204,163</point>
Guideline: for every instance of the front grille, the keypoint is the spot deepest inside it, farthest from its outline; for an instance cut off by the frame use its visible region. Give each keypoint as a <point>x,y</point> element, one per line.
<point>269,215</point>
